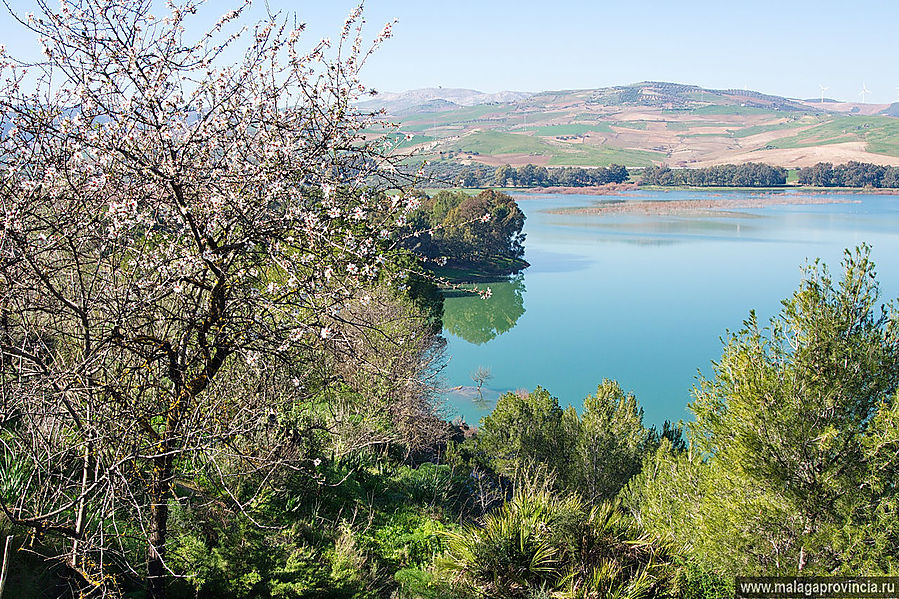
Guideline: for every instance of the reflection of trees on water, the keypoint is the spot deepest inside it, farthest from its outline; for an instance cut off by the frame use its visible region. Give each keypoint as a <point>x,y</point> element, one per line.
<point>478,320</point>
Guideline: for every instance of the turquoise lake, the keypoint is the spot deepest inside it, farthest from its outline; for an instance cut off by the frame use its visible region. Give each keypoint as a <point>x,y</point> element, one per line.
<point>645,299</point>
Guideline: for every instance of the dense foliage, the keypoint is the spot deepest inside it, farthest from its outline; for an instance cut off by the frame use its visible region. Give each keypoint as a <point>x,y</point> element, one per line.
<point>560,546</point>
<point>593,454</point>
<point>726,175</point>
<point>481,232</point>
<point>449,173</point>
<point>530,175</point>
<point>851,174</point>
<point>454,174</point>
<point>194,280</point>
<point>793,442</point>
<point>788,467</point>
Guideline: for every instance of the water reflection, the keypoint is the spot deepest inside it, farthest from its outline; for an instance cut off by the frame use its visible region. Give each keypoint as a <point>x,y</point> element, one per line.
<point>644,299</point>
<point>478,320</point>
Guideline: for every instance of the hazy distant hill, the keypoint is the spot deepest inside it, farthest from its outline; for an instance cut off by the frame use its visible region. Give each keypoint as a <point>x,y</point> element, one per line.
<point>640,124</point>
<point>436,96</point>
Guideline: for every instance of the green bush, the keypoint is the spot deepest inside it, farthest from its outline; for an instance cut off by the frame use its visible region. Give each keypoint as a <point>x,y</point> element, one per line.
<point>540,542</point>
<point>697,583</point>
<point>415,583</point>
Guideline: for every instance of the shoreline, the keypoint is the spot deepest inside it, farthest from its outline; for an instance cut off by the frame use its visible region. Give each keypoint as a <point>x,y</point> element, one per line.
<point>614,189</point>
<point>700,207</point>
<point>609,189</point>
<point>804,189</point>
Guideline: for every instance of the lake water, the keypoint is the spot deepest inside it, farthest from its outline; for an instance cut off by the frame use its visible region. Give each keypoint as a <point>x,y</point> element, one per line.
<point>644,299</point>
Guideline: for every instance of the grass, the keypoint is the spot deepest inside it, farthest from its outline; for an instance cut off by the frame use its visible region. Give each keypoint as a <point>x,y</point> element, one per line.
<point>641,125</point>
<point>531,120</point>
<point>685,125</point>
<point>574,129</point>
<point>886,148</point>
<point>468,113</point>
<point>590,116</point>
<point>756,129</point>
<point>504,130</point>
<point>496,142</point>
<point>703,96</point>
<point>407,143</point>
<point>429,129</point>
<point>880,132</point>
<point>731,109</point>
<point>885,138</point>
<point>694,135</point>
<point>604,156</point>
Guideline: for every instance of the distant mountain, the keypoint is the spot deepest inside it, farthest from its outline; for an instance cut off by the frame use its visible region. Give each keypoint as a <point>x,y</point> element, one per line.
<point>436,96</point>
<point>650,122</point>
<point>678,95</point>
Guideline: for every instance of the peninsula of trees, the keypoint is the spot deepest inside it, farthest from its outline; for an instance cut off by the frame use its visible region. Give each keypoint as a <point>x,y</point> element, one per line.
<point>481,233</point>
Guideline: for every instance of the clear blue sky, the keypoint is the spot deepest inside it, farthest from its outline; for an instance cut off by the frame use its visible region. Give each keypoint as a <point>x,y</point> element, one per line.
<point>781,47</point>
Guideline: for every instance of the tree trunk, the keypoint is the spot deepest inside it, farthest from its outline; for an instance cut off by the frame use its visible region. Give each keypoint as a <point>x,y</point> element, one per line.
<point>159,515</point>
<point>82,505</point>
<point>6,548</point>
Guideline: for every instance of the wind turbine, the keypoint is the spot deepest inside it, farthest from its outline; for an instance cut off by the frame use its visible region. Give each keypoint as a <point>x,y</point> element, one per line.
<point>897,94</point>
<point>824,88</point>
<point>865,91</point>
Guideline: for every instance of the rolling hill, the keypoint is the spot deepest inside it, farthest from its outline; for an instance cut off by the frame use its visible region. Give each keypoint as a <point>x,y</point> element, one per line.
<point>638,125</point>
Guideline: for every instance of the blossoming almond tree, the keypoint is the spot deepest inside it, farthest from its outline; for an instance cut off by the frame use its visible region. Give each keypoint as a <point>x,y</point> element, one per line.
<point>177,234</point>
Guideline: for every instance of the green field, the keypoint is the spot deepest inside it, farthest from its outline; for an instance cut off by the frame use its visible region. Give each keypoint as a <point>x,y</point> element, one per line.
<point>639,125</point>
<point>429,128</point>
<point>756,129</point>
<point>731,109</point>
<point>529,126</point>
<point>497,142</point>
<point>603,156</point>
<point>581,129</point>
<point>685,125</point>
<point>416,139</point>
<point>518,119</point>
<point>704,96</point>
<point>880,132</point>
<point>468,113</point>
<point>574,129</point>
<point>702,135</point>
<point>884,138</point>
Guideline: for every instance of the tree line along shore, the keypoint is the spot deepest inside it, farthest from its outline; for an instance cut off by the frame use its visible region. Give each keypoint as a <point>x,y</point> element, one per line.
<point>851,175</point>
